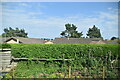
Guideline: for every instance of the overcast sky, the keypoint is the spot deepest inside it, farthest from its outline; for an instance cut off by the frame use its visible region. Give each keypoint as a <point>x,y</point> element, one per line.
<point>47,19</point>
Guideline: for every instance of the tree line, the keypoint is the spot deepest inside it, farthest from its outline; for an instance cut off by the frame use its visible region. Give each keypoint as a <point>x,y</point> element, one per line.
<point>10,32</point>
<point>71,32</point>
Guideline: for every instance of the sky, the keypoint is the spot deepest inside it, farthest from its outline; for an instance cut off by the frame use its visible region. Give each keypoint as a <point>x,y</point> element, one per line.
<point>47,19</point>
<point>59,0</point>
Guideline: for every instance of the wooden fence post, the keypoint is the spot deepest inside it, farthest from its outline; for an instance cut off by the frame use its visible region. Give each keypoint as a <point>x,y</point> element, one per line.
<point>69,71</point>
<point>103,72</point>
<point>13,70</point>
<point>64,60</point>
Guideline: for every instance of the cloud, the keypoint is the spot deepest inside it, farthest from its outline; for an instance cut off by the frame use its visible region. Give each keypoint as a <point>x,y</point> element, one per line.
<point>24,4</point>
<point>108,16</point>
<point>109,8</point>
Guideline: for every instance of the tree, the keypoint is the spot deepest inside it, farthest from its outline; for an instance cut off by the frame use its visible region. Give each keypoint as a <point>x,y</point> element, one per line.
<point>94,32</point>
<point>10,32</point>
<point>113,38</point>
<point>118,41</point>
<point>71,32</point>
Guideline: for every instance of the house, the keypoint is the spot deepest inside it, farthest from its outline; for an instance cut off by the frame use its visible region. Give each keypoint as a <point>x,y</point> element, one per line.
<point>55,41</point>
<point>23,40</point>
<point>79,40</point>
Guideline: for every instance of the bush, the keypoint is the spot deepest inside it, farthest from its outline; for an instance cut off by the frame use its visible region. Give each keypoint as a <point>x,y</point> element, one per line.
<point>85,55</point>
<point>5,45</point>
<point>56,51</point>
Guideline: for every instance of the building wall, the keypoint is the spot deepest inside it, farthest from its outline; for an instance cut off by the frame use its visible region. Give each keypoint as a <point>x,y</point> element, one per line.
<point>49,42</point>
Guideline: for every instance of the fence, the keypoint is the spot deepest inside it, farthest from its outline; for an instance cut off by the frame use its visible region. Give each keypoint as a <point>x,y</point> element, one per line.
<point>65,71</point>
<point>59,68</point>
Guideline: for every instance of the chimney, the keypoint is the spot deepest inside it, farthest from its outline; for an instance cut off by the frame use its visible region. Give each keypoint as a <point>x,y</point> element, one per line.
<point>17,40</point>
<point>68,38</point>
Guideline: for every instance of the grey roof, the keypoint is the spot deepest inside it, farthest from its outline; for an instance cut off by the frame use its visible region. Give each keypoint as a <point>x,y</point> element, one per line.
<point>97,42</point>
<point>109,42</point>
<point>26,40</point>
<point>75,40</point>
<point>58,40</point>
<point>2,40</point>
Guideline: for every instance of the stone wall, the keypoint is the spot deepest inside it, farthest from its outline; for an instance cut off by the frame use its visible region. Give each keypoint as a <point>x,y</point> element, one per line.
<point>5,58</point>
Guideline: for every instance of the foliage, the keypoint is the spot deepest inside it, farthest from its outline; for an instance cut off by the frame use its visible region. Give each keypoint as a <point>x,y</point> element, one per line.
<point>14,32</point>
<point>5,45</point>
<point>71,31</point>
<point>94,32</point>
<point>113,38</point>
<point>88,60</point>
<point>118,41</point>
<point>56,51</point>
<point>8,76</point>
<point>36,69</point>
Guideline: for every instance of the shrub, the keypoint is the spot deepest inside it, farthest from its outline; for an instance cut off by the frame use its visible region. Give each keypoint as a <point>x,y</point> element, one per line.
<point>5,45</point>
<point>56,51</point>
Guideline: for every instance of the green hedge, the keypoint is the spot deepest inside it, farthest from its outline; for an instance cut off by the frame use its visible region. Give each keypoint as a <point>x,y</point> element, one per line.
<point>83,54</point>
<point>5,45</point>
<point>88,57</point>
<point>56,51</point>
